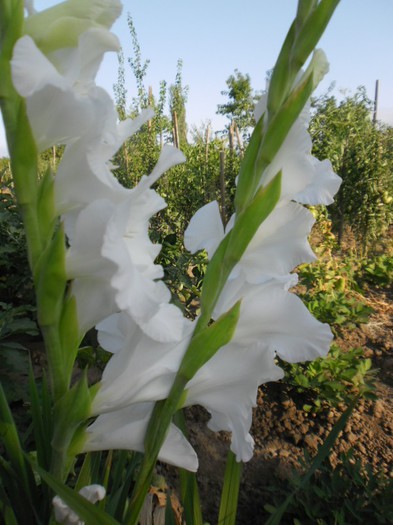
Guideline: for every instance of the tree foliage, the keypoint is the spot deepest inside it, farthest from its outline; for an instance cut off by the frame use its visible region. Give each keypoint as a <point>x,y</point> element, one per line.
<point>177,107</point>
<point>242,98</point>
<point>362,154</point>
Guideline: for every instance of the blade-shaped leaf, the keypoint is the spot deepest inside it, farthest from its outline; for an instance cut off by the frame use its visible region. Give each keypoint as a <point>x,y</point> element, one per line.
<point>81,506</point>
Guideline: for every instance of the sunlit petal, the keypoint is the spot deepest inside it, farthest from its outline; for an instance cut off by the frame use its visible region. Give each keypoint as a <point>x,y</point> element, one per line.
<point>125,429</point>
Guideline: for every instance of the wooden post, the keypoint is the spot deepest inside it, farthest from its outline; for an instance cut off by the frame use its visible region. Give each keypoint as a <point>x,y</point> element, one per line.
<point>239,139</point>
<point>150,102</point>
<point>222,186</point>
<point>375,102</point>
<point>207,138</point>
<point>231,135</point>
<point>176,141</point>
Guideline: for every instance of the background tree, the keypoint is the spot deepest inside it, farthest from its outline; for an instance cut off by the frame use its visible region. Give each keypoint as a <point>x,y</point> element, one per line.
<point>362,154</point>
<point>240,107</point>
<point>177,107</point>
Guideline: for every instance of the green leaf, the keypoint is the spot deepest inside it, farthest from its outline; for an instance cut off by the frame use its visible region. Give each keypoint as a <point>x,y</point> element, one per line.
<point>85,510</point>
<point>207,342</point>
<point>230,491</point>
<point>170,518</point>
<point>188,483</point>
<point>27,490</point>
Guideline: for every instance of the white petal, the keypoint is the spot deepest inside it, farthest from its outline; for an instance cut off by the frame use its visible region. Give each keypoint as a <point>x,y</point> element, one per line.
<point>125,429</point>
<point>294,161</point>
<point>94,300</point>
<point>279,245</point>
<point>141,368</point>
<point>93,493</point>
<point>27,80</point>
<point>129,126</point>
<point>205,231</point>
<point>169,157</point>
<point>81,178</point>
<point>60,109</point>
<point>112,331</point>
<point>280,320</point>
<point>260,107</point>
<point>227,386</point>
<point>87,58</point>
<point>323,187</point>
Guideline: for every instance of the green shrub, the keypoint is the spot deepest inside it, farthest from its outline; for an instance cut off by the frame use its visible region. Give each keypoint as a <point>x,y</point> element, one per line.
<point>377,270</point>
<point>336,378</point>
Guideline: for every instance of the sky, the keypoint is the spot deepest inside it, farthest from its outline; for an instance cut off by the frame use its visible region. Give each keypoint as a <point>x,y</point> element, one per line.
<point>214,37</point>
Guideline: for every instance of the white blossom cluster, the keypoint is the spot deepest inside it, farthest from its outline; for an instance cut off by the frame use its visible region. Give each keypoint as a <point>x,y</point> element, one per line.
<point>111,260</point>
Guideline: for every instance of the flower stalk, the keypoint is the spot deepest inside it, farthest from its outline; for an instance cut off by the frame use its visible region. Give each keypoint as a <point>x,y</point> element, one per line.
<point>94,264</point>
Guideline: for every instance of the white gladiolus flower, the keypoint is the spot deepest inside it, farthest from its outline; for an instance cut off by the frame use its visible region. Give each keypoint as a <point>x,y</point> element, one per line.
<point>117,260</point>
<point>64,514</point>
<point>126,428</point>
<point>63,103</point>
<point>272,321</point>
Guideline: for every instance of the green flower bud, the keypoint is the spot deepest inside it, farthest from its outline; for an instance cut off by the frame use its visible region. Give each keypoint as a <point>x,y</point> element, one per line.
<point>61,25</point>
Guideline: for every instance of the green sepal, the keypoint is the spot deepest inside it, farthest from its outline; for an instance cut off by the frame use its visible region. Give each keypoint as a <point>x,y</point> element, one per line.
<point>71,411</point>
<point>206,343</point>
<point>304,8</point>
<point>282,122</point>
<point>70,337</point>
<point>312,30</point>
<point>245,186</point>
<point>282,76</point>
<point>88,512</point>
<point>42,425</point>
<point>46,210</point>
<point>217,273</point>
<point>51,280</point>
<point>311,21</point>
<point>248,222</point>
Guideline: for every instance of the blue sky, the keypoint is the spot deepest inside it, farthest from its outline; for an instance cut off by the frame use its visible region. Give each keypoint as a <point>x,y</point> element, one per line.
<point>213,37</point>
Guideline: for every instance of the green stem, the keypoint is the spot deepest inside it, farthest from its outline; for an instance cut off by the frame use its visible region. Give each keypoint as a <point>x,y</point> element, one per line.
<point>155,436</point>
<point>46,258</point>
